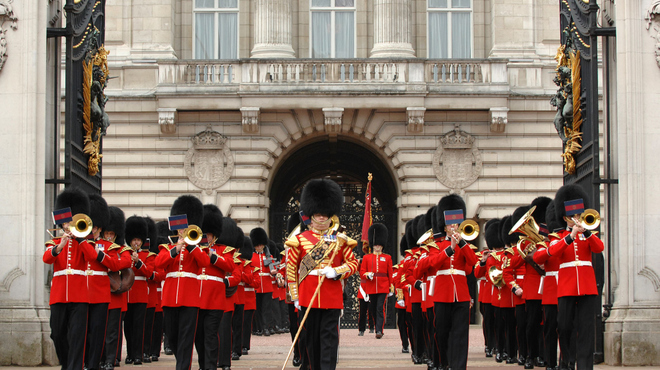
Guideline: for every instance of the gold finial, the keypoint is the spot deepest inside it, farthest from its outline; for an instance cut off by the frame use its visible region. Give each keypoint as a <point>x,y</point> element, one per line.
<point>370,176</point>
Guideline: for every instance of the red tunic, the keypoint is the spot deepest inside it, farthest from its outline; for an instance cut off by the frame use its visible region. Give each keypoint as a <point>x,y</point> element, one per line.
<point>154,284</point>
<point>143,269</point>
<point>181,286</point>
<point>548,287</point>
<point>69,282</point>
<point>330,295</point>
<point>119,300</point>
<point>576,274</point>
<point>449,270</point>
<point>98,282</point>
<point>381,266</point>
<point>250,281</point>
<point>398,291</point>
<point>265,279</point>
<point>409,268</point>
<point>212,288</point>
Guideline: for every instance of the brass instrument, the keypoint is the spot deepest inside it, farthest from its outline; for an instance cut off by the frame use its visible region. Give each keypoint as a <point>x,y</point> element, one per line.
<point>528,226</point>
<point>426,238</point>
<point>469,230</point>
<point>495,276</point>
<point>589,219</point>
<point>192,235</point>
<point>80,226</point>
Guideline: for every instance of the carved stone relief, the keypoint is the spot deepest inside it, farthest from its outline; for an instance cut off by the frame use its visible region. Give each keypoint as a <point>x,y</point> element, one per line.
<point>167,120</point>
<point>457,162</point>
<point>209,163</point>
<point>415,118</point>
<point>250,119</point>
<point>332,119</point>
<point>653,21</point>
<point>6,13</point>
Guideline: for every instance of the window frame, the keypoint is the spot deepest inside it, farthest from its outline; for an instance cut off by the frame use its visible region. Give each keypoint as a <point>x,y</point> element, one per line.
<point>332,9</point>
<point>449,10</point>
<point>216,11</point>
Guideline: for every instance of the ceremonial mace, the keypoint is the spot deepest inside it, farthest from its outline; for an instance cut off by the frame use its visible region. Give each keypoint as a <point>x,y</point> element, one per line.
<point>318,289</point>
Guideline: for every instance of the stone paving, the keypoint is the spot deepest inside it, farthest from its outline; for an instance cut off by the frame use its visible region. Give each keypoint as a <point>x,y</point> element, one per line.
<point>355,353</point>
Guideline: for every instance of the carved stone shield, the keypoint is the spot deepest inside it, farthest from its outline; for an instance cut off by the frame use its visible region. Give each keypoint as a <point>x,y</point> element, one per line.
<point>457,163</point>
<point>209,163</point>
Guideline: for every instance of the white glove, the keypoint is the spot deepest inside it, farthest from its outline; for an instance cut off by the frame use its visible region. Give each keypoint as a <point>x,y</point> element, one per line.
<point>329,272</point>
<point>370,275</point>
<point>296,304</point>
<point>390,294</point>
<point>401,303</point>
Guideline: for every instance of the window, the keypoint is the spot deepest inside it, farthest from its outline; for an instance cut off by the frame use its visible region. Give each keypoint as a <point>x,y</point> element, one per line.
<point>215,29</point>
<point>450,28</point>
<point>332,29</point>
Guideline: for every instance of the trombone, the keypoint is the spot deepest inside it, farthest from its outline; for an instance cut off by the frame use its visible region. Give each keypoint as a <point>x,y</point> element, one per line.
<point>589,219</point>
<point>192,235</point>
<point>80,226</point>
<point>469,230</point>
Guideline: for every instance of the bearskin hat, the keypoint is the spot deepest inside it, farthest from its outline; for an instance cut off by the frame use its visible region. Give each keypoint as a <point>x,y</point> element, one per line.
<point>293,221</point>
<point>417,229</point>
<point>408,234</point>
<point>492,234</point>
<point>448,203</point>
<point>377,235</point>
<point>73,198</point>
<point>273,249</point>
<point>98,211</point>
<point>403,245</point>
<point>230,233</point>
<point>136,227</point>
<point>515,217</point>
<point>505,226</point>
<point>163,229</point>
<point>191,207</point>
<point>541,204</point>
<point>212,220</point>
<point>428,218</point>
<point>551,219</point>
<point>564,194</point>
<point>246,247</point>
<point>152,233</point>
<point>116,224</point>
<point>321,196</point>
<point>258,236</point>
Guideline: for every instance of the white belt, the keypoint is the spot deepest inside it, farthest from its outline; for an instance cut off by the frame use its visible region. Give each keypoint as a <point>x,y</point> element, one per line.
<point>249,289</point>
<point>316,272</point>
<point>552,273</point>
<point>450,272</point>
<point>69,272</point>
<point>210,277</point>
<point>574,264</point>
<point>241,283</point>
<point>264,274</point>
<point>181,274</point>
<point>159,289</point>
<point>143,278</point>
<point>520,277</point>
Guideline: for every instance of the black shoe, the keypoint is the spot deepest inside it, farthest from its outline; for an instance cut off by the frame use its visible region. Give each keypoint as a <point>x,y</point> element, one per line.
<point>539,362</point>
<point>225,368</point>
<point>266,333</point>
<point>128,361</point>
<point>235,356</point>
<point>258,333</point>
<point>168,351</point>
<point>511,360</point>
<point>154,358</point>
<point>371,331</point>
<point>244,351</point>
<point>498,357</point>
<point>521,361</point>
<point>361,333</point>
<point>117,363</point>
<point>146,358</point>
<point>379,335</point>
<point>272,331</point>
<point>137,361</point>
<point>405,350</point>
<point>529,364</point>
<point>297,361</point>
<point>489,352</point>
<point>416,360</point>
<point>286,330</point>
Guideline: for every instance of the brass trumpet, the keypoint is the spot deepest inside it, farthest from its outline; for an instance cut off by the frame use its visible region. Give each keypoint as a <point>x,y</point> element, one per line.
<point>469,230</point>
<point>80,226</point>
<point>589,219</point>
<point>192,235</point>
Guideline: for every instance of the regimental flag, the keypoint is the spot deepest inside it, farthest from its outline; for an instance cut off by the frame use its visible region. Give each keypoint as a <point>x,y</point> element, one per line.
<point>305,219</point>
<point>367,220</point>
<point>205,241</point>
<point>574,207</point>
<point>62,216</point>
<point>543,229</point>
<point>454,216</point>
<point>177,222</point>
<point>147,243</point>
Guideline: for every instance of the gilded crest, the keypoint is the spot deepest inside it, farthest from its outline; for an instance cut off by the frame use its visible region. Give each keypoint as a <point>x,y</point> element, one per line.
<point>457,162</point>
<point>209,163</point>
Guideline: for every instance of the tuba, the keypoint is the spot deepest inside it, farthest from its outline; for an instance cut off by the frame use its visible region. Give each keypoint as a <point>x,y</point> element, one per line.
<point>528,226</point>
<point>426,238</point>
<point>469,230</point>
<point>495,276</point>
<point>589,219</point>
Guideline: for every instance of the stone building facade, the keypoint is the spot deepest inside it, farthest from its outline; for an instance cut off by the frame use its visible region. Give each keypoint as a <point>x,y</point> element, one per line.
<point>234,101</point>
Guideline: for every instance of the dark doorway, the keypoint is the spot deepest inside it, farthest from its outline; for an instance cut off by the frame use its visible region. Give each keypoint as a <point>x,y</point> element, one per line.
<point>348,164</point>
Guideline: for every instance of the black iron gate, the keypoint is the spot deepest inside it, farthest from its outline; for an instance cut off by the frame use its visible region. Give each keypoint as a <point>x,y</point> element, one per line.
<point>351,216</point>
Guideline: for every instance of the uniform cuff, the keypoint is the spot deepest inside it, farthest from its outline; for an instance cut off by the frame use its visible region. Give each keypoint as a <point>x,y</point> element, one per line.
<point>587,234</point>
<point>462,243</point>
<point>214,259</point>
<point>138,264</point>
<point>53,251</point>
<point>173,252</point>
<point>482,263</point>
<point>449,251</point>
<point>568,239</point>
<point>100,257</point>
<point>190,248</point>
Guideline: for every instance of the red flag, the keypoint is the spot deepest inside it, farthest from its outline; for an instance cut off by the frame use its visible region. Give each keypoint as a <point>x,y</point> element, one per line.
<point>366,222</point>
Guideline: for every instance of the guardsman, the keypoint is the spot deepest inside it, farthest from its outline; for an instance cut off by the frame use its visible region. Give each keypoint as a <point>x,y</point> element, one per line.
<point>415,291</point>
<point>69,299</point>
<point>251,283</point>
<point>401,303</point>
<point>486,288</point>
<point>377,269</point>
<point>275,258</point>
<point>264,313</point>
<point>577,292</point>
<point>507,299</point>
<point>294,226</point>
<point>319,259</point>
<point>154,337</point>
<point>548,289</point>
<point>182,262</point>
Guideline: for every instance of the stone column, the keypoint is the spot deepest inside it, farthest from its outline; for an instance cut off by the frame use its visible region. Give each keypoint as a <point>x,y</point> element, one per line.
<point>392,29</point>
<point>272,30</point>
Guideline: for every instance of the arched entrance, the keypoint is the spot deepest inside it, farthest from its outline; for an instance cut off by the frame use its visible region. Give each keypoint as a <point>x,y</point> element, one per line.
<point>348,163</point>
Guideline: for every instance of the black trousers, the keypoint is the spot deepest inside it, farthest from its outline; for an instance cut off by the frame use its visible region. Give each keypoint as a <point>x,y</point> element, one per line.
<point>533,331</point>
<point>120,337</point>
<point>247,328</point>
<point>264,313</point>
<point>488,312</point>
<point>148,330</point>
<point>506,330</point>
<point>521,329</point>
<point>68,326</point>
<point>409,328</point>
<point>377,310</point>
<point>364,317</point>
<point>206,338</point>
<point>180,324</point>
<point>112,335</point>
<point>237,328</point>
<point>224,354</point>
<point>418,330</point>
<point>403,326</point>
<point>550,334</point>
<point>320,335</point>
<point>276,314</point>
<point>284,313</point>
<point>583,309</point>
<point>431,342</point>
<point>97,319</point>
<point>156,335</point>
<point>452,320</point>
<point>134,329</point>
<point>293,326</point>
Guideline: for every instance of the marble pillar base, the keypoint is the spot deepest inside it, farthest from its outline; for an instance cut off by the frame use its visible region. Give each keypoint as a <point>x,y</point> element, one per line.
<point>25,337</point>
<point>632,336</point>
